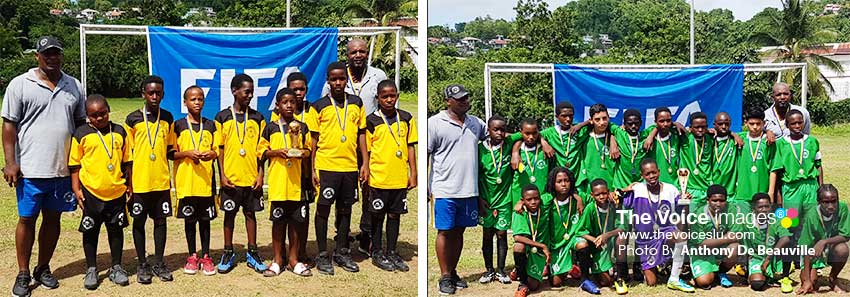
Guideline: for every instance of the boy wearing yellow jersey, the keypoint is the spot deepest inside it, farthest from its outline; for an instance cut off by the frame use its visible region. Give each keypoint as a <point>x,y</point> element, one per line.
<point>241,174</point>
<point>149,134</point>
<point>286,145</point>
<point>389,168</point>
<point>101,170</point>
<point>297,83</point>
<point>195,148</point>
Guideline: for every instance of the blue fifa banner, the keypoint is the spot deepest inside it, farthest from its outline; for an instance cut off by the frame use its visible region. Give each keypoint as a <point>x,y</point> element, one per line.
<point>184,58</point>
<point>709,89</point>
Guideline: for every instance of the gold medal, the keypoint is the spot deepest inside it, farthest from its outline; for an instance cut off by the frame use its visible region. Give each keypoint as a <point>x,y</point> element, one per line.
<point>241,137</point>
<point>242,152</point>
<point>669,170</point>
<point>534,179</point>
<point>498,180</point>
<point>754,169</point>
<point>801,171</point>
<point>603,166</point>
<point>152,157</point>
<point>398,153</point>
<point>152,140</point>
<point>110,167</point>
<point>696,171</point>
<point>566,236</point>
<point>534,250</point>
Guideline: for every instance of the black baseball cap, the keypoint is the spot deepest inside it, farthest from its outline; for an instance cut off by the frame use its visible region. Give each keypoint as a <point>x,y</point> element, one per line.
<point>48,42</point>
<point>455,91</point>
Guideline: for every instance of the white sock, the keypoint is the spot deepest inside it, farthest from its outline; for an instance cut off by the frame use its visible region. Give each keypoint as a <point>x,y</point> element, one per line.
<point>678,261</point>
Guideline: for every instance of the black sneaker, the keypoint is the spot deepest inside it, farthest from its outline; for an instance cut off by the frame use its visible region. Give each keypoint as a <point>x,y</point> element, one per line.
<point>118,275</point>
<point>144,275</point>
<point>459,283</point>
<point>323,264</point>
<point>162,271</point>
<point>22,284</point>
<point>446,285</point>
<point>381,261</point>
<point>342,258</point>
<point>45,277</point>
<point>398,262</point>
<point>90,281</point>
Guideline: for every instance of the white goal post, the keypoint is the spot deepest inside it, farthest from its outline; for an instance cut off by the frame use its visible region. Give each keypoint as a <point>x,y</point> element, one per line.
<point>490,68</point>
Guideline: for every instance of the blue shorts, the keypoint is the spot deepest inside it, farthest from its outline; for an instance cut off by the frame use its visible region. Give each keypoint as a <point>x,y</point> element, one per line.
<point>49,193</point>
<point>450,213</point>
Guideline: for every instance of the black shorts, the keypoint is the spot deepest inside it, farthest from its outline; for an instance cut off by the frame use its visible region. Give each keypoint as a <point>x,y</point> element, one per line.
<point>113,213</point>
<point>388,201</point>
<point>153,204</point>
<point>290,212</point>
<point>196,208</point>
<point>337,186</point>
<point>245,197</point>
<point>308,191</point>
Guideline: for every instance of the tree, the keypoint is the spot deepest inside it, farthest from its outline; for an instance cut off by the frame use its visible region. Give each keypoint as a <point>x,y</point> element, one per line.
<point>487,28</point>
<point>385,12</point>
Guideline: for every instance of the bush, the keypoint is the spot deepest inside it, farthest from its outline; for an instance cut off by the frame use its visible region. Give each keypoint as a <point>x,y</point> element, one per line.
<point>824,112</point>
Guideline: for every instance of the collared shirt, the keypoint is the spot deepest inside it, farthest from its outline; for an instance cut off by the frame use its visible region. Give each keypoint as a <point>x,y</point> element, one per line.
<point>779,129</point>
<point>45,122</point>
<point>453,150</point>
<point>366,89</point>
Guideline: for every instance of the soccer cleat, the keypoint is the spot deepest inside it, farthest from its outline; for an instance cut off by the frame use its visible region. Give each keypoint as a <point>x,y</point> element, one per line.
<point>22,284</point>
<point>227,261</point>
<point>621,287</point>
<point>589,286</point>
<point>144,275</point>
<point>513,275</point>
<point>162,271</point>
<point>118,275</point>
<point>90,280</point>
<point>381,261</point>
<point>503,278</point>
<point>207,265</point>
<point>323,264</point>
<point>724,280</point>
<point>191,266</point>
<point>459,283</point>
<point>253,259</point>
<point>575,272</point>
<point>487,276</point>
<point>446,286</point>
<point>680,286</point>
<point>398,262</point>
<point>786,285</point>
<point>739,270</point>
<point>43,276</point>
<point>522,291</point>
<point>342,258</point>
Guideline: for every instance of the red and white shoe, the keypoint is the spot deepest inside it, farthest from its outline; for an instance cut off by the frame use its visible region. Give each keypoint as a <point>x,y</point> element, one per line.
<point>575,272</point>
<point>207,265</point>
<point>191,266</point>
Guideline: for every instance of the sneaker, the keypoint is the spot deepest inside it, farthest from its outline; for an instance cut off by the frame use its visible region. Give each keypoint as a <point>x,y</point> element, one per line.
<point>90,281</point>
<point>785,284</point>
<point>207,265</point>
<point>191,266</point>
<point>589,286</point>
<point>446,286</point>
<point>740,271</point>
<point>680,286</point>
<point>513,275</point>
<point>144,275</point>
<point>459,283</point>
<point>22,284</point>
<point>323,264</point>
<point>118,275</point>
<point>227,262</point>
<point>398,262</point>
<point>503,278</point>
<point>522,291</point>
<point>342,258</point>
<point>43,276</point>
<point>162,271</point>
<point>724,280</point>
<point>575,272</point>
<point>253,259</point>
<point>487,276</point>
<point>621,287</point>
<point>381,261</point>
<point>637,272</point>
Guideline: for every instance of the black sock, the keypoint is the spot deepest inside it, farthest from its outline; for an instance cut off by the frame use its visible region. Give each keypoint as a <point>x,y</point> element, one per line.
<point>392,232</point>
<point>584,262</point>
<point>377,230</point>
<point>501,252</point>
<point>90,238</point>
<point>321,224</point>
<point>159,237</point>
<point>343,214</point>
<point>204,229</point>
<point>189,229</point>
<point>116,243</point>
<point>786,268</point>
<point>487,249</point>
<point>521,263</point>
<point>622,270</point>
<point>139,238</point>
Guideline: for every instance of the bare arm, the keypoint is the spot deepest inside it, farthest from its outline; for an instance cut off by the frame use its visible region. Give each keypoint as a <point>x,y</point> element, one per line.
<point>12,170</point>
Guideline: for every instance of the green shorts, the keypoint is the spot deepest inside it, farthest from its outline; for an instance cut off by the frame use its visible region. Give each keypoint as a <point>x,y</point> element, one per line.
<point>702,265</point>
<point>602,258</point>
<point>801,195</point>
<point>821,262</point>
<point>499,219</point>
<point>536,263</point>
<point>562,258</point>
<point>743,204</point>
<point>775,266</point>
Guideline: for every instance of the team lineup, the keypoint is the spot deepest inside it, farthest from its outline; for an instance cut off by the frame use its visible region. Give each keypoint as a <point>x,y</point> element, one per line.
<point>593,200</point>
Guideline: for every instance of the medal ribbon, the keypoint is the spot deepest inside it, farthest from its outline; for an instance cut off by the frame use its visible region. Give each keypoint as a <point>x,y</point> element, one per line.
<point>604,145</point>
<point>397,125</point>
<point>151,141</point>
<point>342,122</point>
<point>794,151</point>
<point>754,153</point>
<point>493,158</point>
<point>723,152</point>
<point>282,133</point>
<point>236,124</point>
<point>634,148</point>
<point>111,147</point>
<point>566,222</point>
<point>607,214</point>
<point>528,159</point>
<point>667,156</point>
<point>201,132</point>
<point>351,81</point>
<point>569,141</point>
<point>531,223</point>
<point>698,152</point>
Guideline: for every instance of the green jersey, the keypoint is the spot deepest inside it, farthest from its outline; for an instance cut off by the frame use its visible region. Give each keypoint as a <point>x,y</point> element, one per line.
<point>665,151</point>
<point>595,221</point>
<point>567,147</point>
<point>626,169</point>
<point>597,162</point>
<point>565,220</point>
<point>799,159</point>
<point>725,160</point>
<point>697,156</point>
<point>766,235</point>
<point>533,168</point>
<point>717,225</point>
<point>816,227</point>
<point>536,226</point>
<point>495,174</point>
<point>753,167</point>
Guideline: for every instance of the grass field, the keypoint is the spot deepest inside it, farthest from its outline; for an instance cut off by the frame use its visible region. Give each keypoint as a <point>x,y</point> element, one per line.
<point>68,263</point>
<point>834,142</point>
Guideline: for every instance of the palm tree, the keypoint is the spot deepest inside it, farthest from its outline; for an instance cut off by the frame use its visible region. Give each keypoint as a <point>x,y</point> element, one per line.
<point>799,37</point>
<point>384,12</point>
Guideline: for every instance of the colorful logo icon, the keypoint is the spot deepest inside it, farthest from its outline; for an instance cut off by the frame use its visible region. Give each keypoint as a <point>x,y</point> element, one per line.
<point>788,218</point>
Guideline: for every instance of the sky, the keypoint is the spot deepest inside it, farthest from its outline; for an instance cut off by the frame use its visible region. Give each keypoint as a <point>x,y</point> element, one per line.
<point>449,12</point>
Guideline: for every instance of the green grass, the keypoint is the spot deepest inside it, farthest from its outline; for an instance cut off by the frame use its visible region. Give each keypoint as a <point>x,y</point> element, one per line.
<point>68,262</point>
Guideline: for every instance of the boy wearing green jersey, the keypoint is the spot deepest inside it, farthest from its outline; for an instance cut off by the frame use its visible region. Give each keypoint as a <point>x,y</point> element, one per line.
<point>826,229</point>
<point>597,161</point>
<point>753,166</point>
<point>531,231</point>
<point>533,167</point>
<point>765,268</point>
<point>494,183</point>
<point>600,224</point>
<point>664,145</point>
<point>630,138</point>
<point>725,151</point>
<point>718,233</point>
<point>565,138</point>
<point>698,157</point>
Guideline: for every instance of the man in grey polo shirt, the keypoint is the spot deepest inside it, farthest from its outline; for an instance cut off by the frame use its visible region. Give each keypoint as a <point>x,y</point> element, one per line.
<point>774,116</point>
<point>40,110</point>
<point>453,153</point>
